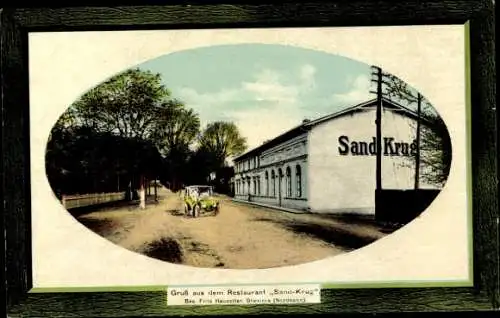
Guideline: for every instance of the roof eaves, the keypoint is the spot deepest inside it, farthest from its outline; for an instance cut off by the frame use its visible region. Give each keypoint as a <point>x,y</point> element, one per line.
<point>340,113</point>
<point>307,125</point>
<point>299,127</point>
<point>405,109</point>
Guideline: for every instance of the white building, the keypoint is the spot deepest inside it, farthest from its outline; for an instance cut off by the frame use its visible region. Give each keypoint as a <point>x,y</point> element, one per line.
<point>328,165</point>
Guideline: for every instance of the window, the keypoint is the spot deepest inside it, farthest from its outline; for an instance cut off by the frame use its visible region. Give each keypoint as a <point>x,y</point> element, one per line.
<point>267,183</point>
<point>258,185</point>
<point>288,182</point>
<point>273,184</point>
<point>298,180</point>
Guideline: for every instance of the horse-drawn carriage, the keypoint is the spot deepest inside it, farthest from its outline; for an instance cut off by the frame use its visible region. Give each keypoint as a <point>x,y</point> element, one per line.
<point>199,200</point>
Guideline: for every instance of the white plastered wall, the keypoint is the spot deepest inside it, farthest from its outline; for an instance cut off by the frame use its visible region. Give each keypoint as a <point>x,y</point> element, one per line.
<point>346,183</point>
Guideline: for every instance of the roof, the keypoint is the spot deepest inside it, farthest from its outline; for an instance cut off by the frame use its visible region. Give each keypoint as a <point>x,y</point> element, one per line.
<point>307,125</point>
<point>198,186</point>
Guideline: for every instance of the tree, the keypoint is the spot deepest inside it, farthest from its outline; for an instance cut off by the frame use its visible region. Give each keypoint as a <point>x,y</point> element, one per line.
<point>81,160</point>
<point>220,141</point>
<point>435,142</point>
<point>131,104</point>
<point>200,164</point>
<point>176,132</point>
<point>436,147</point>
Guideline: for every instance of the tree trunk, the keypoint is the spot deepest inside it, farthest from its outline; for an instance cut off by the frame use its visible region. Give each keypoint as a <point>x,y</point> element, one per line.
<point>156,189</point>
<point>142,193</point>
<point>130,192</point>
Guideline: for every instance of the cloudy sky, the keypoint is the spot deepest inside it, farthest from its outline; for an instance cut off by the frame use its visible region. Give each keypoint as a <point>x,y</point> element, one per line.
<point>264,89</point>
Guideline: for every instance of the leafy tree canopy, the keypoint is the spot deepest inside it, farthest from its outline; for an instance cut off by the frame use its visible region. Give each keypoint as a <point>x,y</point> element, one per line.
<point>435,142</point>
<point>131,104</point>
<point>223,140</point>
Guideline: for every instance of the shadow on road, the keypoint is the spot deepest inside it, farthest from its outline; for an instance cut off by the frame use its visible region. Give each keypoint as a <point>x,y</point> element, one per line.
<point>102,227</point>
<point>328,233</point>
<point>165,249</point>
<point>176,212</point>
<point>349,219</point>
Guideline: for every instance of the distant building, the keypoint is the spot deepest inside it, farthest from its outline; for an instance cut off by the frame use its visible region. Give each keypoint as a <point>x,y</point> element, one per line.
<point>328,165</point>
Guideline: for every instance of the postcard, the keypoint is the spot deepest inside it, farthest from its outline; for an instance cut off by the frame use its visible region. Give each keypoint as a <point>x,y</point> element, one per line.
<point>243,161</point>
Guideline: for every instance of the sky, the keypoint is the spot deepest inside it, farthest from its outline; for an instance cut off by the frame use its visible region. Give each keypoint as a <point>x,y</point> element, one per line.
<point>264,89</point>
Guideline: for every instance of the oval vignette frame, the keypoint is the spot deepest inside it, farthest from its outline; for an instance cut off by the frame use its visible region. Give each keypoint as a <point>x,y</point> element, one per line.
<point>91,161</point>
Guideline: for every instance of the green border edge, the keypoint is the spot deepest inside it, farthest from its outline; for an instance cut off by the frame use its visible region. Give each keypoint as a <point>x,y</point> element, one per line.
<point>164,288</point>
<point>344,285</point>
<point>468,138</point>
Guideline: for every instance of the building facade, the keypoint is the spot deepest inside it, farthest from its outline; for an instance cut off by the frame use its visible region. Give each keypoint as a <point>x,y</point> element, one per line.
<point>328,165</point>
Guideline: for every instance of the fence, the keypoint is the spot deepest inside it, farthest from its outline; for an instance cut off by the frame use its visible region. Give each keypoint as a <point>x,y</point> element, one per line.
<point>81,200</point>
<point>402,206</point>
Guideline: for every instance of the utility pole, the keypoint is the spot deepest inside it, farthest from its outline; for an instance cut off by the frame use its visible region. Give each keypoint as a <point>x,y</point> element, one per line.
<point>377,77</point>
<point>378,123</point>
<point>378,74</point>
<point>417,156</point>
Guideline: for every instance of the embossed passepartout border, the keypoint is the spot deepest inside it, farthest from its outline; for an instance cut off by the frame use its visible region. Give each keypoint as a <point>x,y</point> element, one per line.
<point>16,23</point>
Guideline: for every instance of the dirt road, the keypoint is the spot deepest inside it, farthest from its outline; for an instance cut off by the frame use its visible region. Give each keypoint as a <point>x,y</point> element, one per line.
<point>240,236</point>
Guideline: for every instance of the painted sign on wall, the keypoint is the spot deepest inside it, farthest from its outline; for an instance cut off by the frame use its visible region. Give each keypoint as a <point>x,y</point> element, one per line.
<point>390,147</point>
